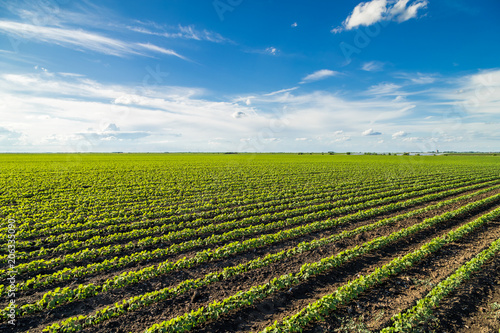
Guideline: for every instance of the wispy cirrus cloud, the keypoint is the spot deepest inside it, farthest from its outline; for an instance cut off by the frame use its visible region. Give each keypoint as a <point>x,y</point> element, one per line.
<point>384,89</point>
<point>159,49</point>
<point>319,75</point>
<point>80,39</point>
<point>371,12</point>
<point>372,66</point>
<point>417,78</point>
<point>182,32</point>
<point>281,91</point>
<point>68,38</point>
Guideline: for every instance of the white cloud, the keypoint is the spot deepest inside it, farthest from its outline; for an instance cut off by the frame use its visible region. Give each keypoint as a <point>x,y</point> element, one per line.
<point>111,127</point>
<point>319,75</point>
<point>158,49</point>
<point>476,94</point>
<point>239,114</point>
<point>54,113</point>
<point>340,136</point>
<point>399,134</point>
<point>294,25</point>
<point>272,50</point>
<point>182,32</point>
<point>70,74</point>
<point>79,39</point>
<point>417,78</point>
<point>68,38</point>
<point>413,139</point>
<point>281,91</point>
<point>372,66</point>
<point>371,12</point>
<point>384,89</point>
<point>369,132</point>
<point>401,13</point>
<point>366,13</point>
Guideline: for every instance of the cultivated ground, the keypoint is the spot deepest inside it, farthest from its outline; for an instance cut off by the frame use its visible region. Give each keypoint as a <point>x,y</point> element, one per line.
<point>249,242</point>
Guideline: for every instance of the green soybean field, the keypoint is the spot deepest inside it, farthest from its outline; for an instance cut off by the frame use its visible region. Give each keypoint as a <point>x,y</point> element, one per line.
<point>249,243</point>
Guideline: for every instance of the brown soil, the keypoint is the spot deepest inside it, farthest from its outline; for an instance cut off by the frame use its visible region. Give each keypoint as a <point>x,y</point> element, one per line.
<point>134,239</point>
<point>372,310</point>
<point>289,302</point>
<point>475,306</point>
<point>274,308</point>
<point>29,296</point>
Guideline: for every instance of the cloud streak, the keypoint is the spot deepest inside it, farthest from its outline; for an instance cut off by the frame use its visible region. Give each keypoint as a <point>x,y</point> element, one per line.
<point>182,32</point>
<point>80,40</point>
<point>319,75</point>
<point>372,66</point>
<point>281,91</point>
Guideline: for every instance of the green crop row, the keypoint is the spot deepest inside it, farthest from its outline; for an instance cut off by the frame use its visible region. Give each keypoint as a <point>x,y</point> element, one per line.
<point>410,320</point>
<point>70,273</point>
<point>260,216</point>
<point>199,212</point>
<point>150,202</point>
<point>172,223</point>
<point>78,322</point>
<point>68,245</point>
<point>317,310</point>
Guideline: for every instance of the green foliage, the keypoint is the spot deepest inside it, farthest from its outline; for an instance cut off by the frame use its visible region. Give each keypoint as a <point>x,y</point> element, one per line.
<point>89,214</point>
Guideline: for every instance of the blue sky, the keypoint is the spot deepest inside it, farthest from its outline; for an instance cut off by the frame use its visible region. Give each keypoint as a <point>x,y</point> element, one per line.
<point>239,75</point>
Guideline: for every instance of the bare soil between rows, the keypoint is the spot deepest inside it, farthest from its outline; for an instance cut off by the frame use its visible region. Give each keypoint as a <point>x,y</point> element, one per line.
<point>474,306</point>
<point>144,318</point>
<point>29,296</point>
<point>313,198</point>
<point>372,311</point>
<point>167,309</point>
<point>134,240</point>
<point>102,276</point>
<point>287,303</point>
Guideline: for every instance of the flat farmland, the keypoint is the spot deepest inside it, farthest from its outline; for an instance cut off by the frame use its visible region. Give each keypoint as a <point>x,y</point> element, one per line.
<point>249,243</point>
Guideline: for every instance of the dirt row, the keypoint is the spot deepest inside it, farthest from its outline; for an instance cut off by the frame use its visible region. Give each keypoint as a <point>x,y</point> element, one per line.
<point>269,310</point>
<point>29,296</point>
<point>133,240</point>
<point>475,306</point>
<point>329,191</point>
<point>289,302</point>
<point>372,310</point>
<point>155,313</point>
